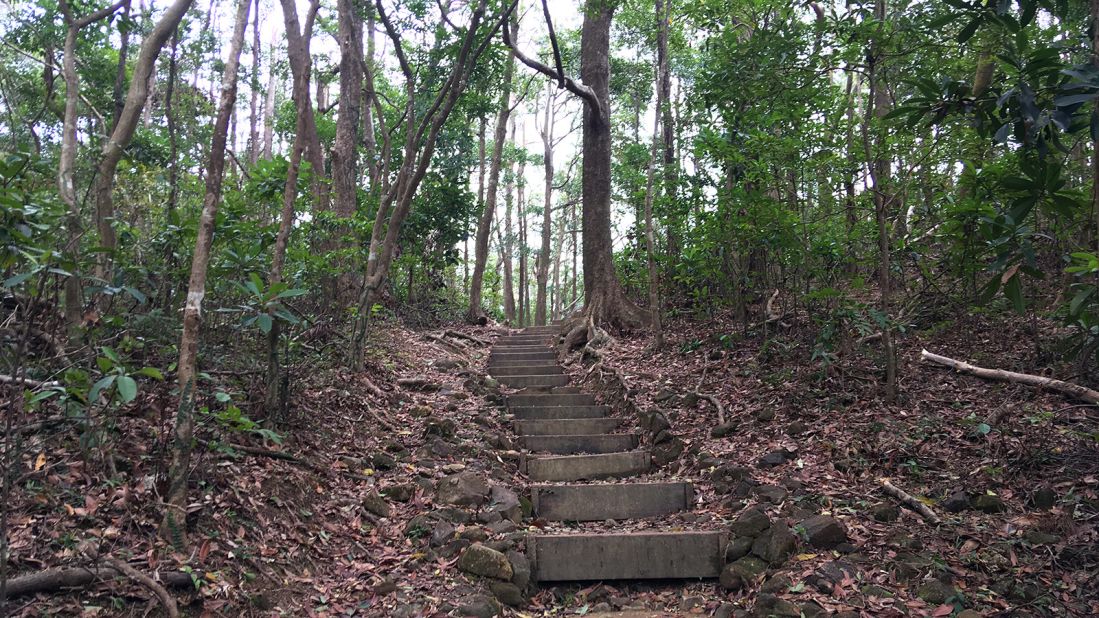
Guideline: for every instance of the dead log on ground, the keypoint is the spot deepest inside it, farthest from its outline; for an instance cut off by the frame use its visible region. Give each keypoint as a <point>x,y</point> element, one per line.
<point>1066,388</point>
<point>910,501</point>
<point>52,580</point>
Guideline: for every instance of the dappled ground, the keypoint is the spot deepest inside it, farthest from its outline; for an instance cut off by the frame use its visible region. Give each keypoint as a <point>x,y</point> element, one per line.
<point>352,523</point>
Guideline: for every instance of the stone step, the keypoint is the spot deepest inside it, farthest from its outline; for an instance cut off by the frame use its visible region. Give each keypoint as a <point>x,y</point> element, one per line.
<point>515,340</point>
<point>528,369</point>
<point>610,501</point>
<point>547,413</point>
<point>566,427</point>
<point>639,555</point>
<point>541,330</point>
<point>586,467</point>
<point>546,355</point>
<point>550,399</point>
<point>573,444</point>
<point>534,380</point>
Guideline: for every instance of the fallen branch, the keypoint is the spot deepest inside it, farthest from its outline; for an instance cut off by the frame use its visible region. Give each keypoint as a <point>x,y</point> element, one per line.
<point>461,335</point>
<point>166,599</point>
<point>1067,388</point>
<point>454,346</point>
<point>910,501</point>
<point>717,405</point>
<point>80,577</point>
<point>6,379</point>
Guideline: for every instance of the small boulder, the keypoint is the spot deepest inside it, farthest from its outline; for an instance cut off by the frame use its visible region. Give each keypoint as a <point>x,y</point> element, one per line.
<point>885,512</point>
<point>724,430</point>
<point>444,428</point>
<point>520,569</point>
<point>774,458</point>
<point>738,548</point>
<point>402,492</point>
<point>728,476</point>
<point>480,560</point>
<point>771,606</point>
<point>667,451</point>
<point>742,573</point>
<point>507,593</point>
<point>824,532</point>
<point>956,502</point>
<point>504,501</point>
<point>750,523</point>
<point>479,606</point>
<point>383,461</point>
<point>1043,498</point>
<point>442,534</point>
<point>935,592</point>
<point>796,428</point>
<point>462,489</point>
<point>770,493</point>
<point>988,503</point>
<point>376,504</point>
<point>775,545</point>
<point>765,415</point>
<point>776,584</point>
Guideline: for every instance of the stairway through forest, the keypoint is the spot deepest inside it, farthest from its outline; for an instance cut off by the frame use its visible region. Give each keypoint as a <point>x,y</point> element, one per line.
<point>583,468</point>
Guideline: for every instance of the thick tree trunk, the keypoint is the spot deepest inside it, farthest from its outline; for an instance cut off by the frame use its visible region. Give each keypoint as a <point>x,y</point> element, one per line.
<point>605,300</point>
<point>547,210</point>
<point>173,524</point>
<point>124,129</point>
<point>476,312</point>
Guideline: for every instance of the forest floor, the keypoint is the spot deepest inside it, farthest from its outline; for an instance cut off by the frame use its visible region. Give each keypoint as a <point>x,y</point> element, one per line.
<point>349,526</point>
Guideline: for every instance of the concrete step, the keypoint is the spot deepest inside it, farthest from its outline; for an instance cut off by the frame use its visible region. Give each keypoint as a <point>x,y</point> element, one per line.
<point>573,444</point>
<point>545,355</point>
<point>523,340</point>
<point>528,369</point>
<point>566,427</point>
<point>534,380</point>
<point>550,399</point>
<point>586,467</point>
<point>639,555</point>
<point>542,330</point>
<point>520,349</point>
<point>547,413</point>
<point>617,501</point>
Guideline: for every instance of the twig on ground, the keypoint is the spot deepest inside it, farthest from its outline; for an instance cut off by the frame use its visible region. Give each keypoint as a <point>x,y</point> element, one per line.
<point>713,400</point>
<point>166,599</point>
<point>6,379</point>
<point>1067,388</point>
<point>910,501</point>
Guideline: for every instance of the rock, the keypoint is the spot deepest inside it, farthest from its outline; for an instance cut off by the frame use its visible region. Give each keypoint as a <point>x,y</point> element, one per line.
<point>1043,498</point>
<point>383,461</point>
<point>935,592</point>
<point>444,428</point>
<point>725,610</point>
<point>401,493</point>
<point>476,534</point>
<point>765,415</point>
<point>770,606</point>
<point>812,610</point>
<point>742,573</point>
<point>505,502</point>
<point>885,512</point>
<point>723,430</point>
<point>796,428</point>
<point>988,503</point>
<point>507,593</point>
<point>376,504</point>
<point>418,527</point>
<point>503,526</point>
<point>489,517</point>
<point>775,545</point>
<point>770,493</point>
<point>738,548</point>
<point>690,400</point>
<point>828,575</point>
<point>441,448</point>
<point>773,459</point>
<point>386,586</point>
<point>776,584</point>
<point>823,531</point>
<point>876,591</point>
<point>480,560</point>
<point>666,452</point>
<point>750,523</point>
<point>968,613</point>
<point>728,476</point>
<point>453,515</point>
<point>1037,537</point>
<point>462,489</point>
<point>442,534</point>
<point>520,569</point>
<point>447,364</point>
<point>453,548</point>
<point>691,602</point>
<point>905,571</point>
<point>956,502</point>
<point>420,411</point>
<point>655,422</point>
<point>479,606</point>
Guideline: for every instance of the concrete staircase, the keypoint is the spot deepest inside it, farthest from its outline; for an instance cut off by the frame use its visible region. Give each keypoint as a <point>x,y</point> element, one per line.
<point>567,437</point>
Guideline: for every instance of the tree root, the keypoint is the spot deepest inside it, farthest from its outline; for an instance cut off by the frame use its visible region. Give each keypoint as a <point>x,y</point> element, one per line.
<point>51,580</point>
<point>166,599</point>
<point>461,335</point>
<point>1066,388</point>
<point>713,400</point>
<point>910,501</point>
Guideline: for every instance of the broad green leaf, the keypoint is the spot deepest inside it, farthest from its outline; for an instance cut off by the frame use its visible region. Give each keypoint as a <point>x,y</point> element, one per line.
<point>127,389</point>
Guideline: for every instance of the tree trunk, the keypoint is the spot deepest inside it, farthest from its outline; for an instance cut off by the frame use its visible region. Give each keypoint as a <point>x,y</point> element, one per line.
<point>605,301</point>
<point>1094,121</point>
<point>521,217</point>
<point>120,73</point>
<point>476,313</point>
<point>650,242</point>
<point>297,48</point>
<point>173,524</point>
<point>509,292</point>
<point>269,108</point>
<point>124,129</point>
<point>671,168</point>
<point>547,210</point>
<point>254,87</point>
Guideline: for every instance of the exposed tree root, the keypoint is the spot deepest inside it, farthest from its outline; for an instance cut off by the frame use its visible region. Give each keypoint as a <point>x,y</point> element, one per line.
<point>713,400</point>
<point>52,580</point>
<point>1067,388</point>
<point>910,501</point>
<point>166,600</point>
<point>454,346</point>
<point>461,335</point>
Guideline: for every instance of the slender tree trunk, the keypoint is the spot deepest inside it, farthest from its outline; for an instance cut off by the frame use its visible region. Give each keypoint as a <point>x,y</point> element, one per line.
<point>120,73</point>
<point>521,217</point>
<point>173,524</point>
<point>167,284</point>
<point>254,88</point>
<point>123,132</point>
<point>345,152</point>
<point>605,300</point>
<point>1095,120</point>
<point>484,225</point>
<point>650,241</point>
<point>269,109</point>
<point>509,293</point>
<point>480,203</point>
<point>547,209</point>
<point>671,167</point>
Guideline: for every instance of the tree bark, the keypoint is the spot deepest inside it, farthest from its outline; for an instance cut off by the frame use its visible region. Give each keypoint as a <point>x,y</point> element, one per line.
<point>120,73</point>
<point>124,129</point>
<point>508,253</point>
<point>1095,120</point>
<point>254,87</point>
<point>269,109</point>
<point>476,312</point>
<point>650,241</point>
<point>521,218</point>
<point>547,210</point>
<point>173,524</point>
<point>297,48</point>
<point>671,169</point>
